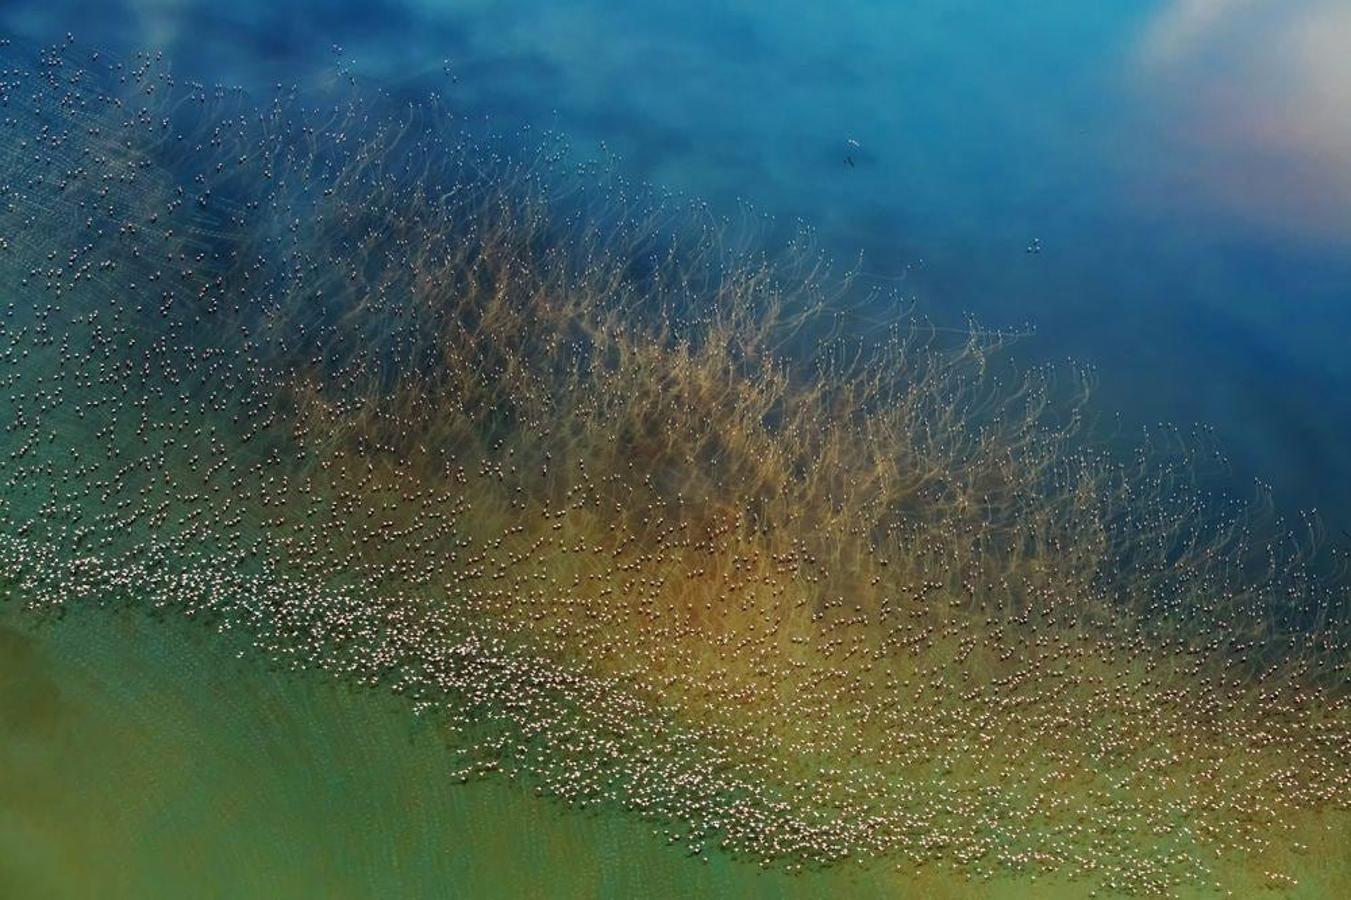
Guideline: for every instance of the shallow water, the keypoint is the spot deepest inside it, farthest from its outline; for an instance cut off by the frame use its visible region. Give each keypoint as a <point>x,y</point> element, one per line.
<point>1182,164</point>
<point>143,758</point>
<point>1087,172</point>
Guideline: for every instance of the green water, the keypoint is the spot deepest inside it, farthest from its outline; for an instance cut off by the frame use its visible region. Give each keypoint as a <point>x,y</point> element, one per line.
<point>143,759</point>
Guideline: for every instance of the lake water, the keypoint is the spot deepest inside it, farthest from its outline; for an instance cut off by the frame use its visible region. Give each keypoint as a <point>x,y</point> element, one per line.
<point>1158,190</point>
<point>1181,166</point>
<point>143,759</point>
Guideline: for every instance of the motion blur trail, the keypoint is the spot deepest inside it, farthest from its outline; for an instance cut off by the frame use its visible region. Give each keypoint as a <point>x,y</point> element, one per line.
<point>611,494</point>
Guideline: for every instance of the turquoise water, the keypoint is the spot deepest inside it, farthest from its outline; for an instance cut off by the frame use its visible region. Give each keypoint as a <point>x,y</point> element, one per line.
<point>1147,188</point>
<point>1182,164</point>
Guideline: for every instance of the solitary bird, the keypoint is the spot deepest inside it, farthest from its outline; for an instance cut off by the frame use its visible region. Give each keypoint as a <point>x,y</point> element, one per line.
<point>849,157</point>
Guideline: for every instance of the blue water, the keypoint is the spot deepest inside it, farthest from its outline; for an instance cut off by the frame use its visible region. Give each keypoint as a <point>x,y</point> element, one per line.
<point>1182,165</point>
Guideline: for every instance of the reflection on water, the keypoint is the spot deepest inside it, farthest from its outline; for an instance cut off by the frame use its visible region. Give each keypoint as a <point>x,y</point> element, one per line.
<point>1261,92</point>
